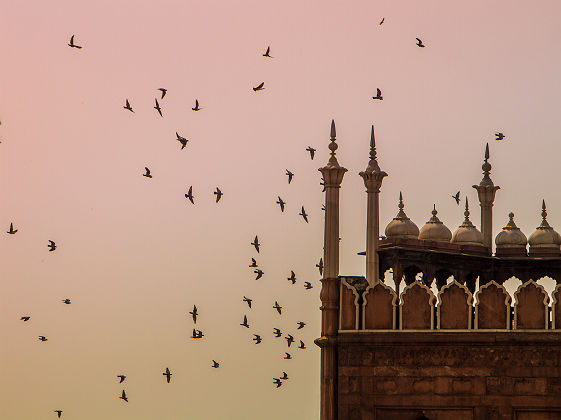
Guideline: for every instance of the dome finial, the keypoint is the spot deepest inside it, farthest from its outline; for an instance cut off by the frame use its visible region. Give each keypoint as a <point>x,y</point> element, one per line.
<point>434,212</point>
<point>466,213</point>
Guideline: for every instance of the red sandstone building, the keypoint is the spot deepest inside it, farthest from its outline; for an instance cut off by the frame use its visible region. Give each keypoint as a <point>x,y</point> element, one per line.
<point>470,352</point>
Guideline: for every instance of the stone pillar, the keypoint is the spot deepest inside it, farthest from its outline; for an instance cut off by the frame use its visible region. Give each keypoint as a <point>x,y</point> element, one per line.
<point>373,178</point>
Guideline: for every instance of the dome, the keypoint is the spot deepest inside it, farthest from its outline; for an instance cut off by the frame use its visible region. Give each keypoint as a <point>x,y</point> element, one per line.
<point>511,236</point>
<point>544,236</point>
<point>401,226</point>
<point>467,233</point>
<point>434,229</point>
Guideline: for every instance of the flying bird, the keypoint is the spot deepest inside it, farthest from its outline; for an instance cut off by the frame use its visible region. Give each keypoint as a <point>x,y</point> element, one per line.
<point>292,277</point>
<point>303,214</point>
<point>215,364</point>
<point>121,378</point>
<point>419,43</point>
<point>259,273</point>
<point>197,108</point>
<point>67,301</point>
<point>51,246</point>
<point>312,151</point>
<point>256,244</point>
<point>287,356</point>
<point>277,332</point>
<point>72,45</point>
<point>190,195</point>
<point>157,108</point>
<point>147,174</point>
<point>124,396</point>
<point>277,307</point>
<point>194,313</point>
<point>248,301</point>
<point>322,183</point>
<point>25,318</point>
<point>378,94</point>
<point>289,339</point>
<point>181,140</point>
<point>290,175</point>
<point>302,345</point>
<point>320,266</point>
<point>164,91</point>
<point>323,207</point>
<point>218,194</point>
<point>284,376</point>
<point>244,323</point>
<point>58,412</point>
<point>301,324</point>
<point>197,334</point>
<point>499,136</point>
<point>12,231</point>
<point>267,52</point>
<point>457,198</point>
<point>253,263</point>
<point>128,106</point>
<point>277,381</point>
<point>260,87</point>
<point>382,21</point>
<point>167,374</point>
<point>43,338</point>
<point>257,338</point>
<point>281,203</point>
<point>308,285</point>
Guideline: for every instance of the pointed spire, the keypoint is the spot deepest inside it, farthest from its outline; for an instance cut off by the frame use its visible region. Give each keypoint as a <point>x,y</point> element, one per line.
<point>434,218</point>
<point>333,135</point>
<point>467,223</point>
<point>486,152</point>
<point>401,214</point>
<point>466,213</point>
<point>333,146</point>
<point>544,224</point>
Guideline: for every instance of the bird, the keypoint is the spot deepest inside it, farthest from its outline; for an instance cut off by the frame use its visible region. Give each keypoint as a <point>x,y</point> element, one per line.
<point>277,332</point>
<point>312,151</point>
<point>244,323</point>
<point>277,381</point>
<point>500,136</point>
<point>267,52</point>
<point>382,237</point>
<point>259,273</point>
<point>292,277</point>
<point>256,244</point>
<point>248,301</point>
<point>25,318</point>
<point>128,106</point>
<point>121,378</point>
<point>190,195</point>
<point>197,334</point>
<point>287,356</point>
<point>72,45</point>
<point>194,313</point>
<point>181,140</point>
<point>124,396</point>
<point>289,339</point>
<point>322,207</point>
<point>382,21</point>
<point>308,285</point>
<point>67,301</point>
<point>51,246</point>
<point>147,174</point>
<point>253,263</point>
<point>197,108</point>
<point>58,412</point>
<point>215,364</point>
<point>378,94</point>
<point>284,376</point>
<point>419,43</point>
<point>281,203</point>
<point>218,194</point>
<point>260,87</point>
<point>322,183</point>
<point>167,374</point>
<point>290,175</point>
<point>303,214</point>
<point>157,108</point>
<point>164,91</point>
<point>12,231</point>
<point>301,324</point>
<point>277,307</point>
<point>320,266</point>
<point>43,338</point>
<point>457,198</point>
<point>302,345</point>
<point>257,338</point>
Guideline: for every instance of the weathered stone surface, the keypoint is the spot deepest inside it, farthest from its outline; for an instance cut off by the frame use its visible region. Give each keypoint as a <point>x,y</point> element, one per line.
<point>417,309</point>
<point>492,309</point>
<point>379,307</point>
<point>348,308</point>
<point>556,308</point>
<point>530,307</point>
<point>454,308</point>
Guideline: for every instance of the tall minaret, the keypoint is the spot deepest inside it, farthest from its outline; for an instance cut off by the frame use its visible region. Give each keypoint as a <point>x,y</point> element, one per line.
<point>373,178</point>
<point>486,191</point>
<point>332,177</point>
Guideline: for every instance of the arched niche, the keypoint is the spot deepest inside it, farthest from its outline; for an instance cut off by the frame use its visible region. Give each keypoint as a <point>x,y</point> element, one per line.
<point>348,306</point>
<point>492,307</point>
<point>454,307</point>
<point>379,303</point>
<point>416,311</point>
<point>556,308</point>
<point>530,306</point>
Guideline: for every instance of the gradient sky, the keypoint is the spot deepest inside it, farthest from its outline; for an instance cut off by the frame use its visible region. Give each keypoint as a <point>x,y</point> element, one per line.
<point>134,255</point>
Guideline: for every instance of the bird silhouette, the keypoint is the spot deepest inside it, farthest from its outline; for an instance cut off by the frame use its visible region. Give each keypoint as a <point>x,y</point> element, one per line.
<point>277,381</point>
<point>312,151</point>
<point>12,231</point>
<point>259,273</point>
<point>292,277</point>
<point>253,263</point>
<point>215,364</point>
<point>190,195</point>
<point>67,301</point>
<point>248,301</point>
<point>303,214</point>
<point>281,203</point>
<point>382,21</point>
<point>218,194</point>
<point>320,266</point>
<point>378,94</point>
<point>257,338</point>
<point>287,356</point>
<point>58,412</point>
<point>277,332</point>
<point>51,246</point>
<point>260,87</point>
<point>277,307</point>
<point>167,374</point>
<point>194,313</point>
<point>419,43</point>
<point>457,198</point>
<point>121,378</point>
<point>267,52</point>
<point>301,324</point>
<point>256,244</point>
<point>181,140</point>
<point>302,345</point>
<point>197,108</point>
<point>124,396</point>
<point>128,106</point>
<point>157,108</point>
<point>499,136</point>
<point>197,334</point>
<point>43,338</point>
<point>164,91</point>
<point>323,207</point>
<point>284,376</point>
<point>25,318</point>
<point>147,174</point>
<point>290,176</point>
<point>308,285</point>
<point>72,45</point>
<point>289,339</point>
<point>244,323</point>
<point>322,183</point>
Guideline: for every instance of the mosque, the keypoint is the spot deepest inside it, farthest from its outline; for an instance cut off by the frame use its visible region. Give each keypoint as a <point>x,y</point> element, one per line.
<point>471,351</point>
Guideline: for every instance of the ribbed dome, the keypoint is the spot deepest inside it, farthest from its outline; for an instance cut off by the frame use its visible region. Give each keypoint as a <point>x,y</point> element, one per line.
<point>467,233</point>
<point>401,226</point>
<point>511,236</point>
<point>434,229</point>
<point>544,236</point>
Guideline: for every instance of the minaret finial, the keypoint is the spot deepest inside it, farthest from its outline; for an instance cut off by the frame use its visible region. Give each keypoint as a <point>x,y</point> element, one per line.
<point>372,145</point>
<point>486,152</point>
<point>333,146</point>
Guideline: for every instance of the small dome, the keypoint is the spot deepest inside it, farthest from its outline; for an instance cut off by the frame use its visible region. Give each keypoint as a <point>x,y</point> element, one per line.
<point>511,236</point>
<point>401,226</point>
<point>544,236</point>
<point>467,233</point>
<point>434,229</point>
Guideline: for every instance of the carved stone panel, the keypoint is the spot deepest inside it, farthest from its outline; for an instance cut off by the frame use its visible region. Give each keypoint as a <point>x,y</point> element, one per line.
<point>348,308</point>
<point>530,309</point>
<point>492,310</point>
<point>556,308</point>
<point>417,307</point>
<point>379,307</point>
<point>454,308</point>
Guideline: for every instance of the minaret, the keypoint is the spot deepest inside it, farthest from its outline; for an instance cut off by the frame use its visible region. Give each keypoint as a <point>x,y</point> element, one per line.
<point>332,176</point>
<point>373,178</point>
<point>486,191</point>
